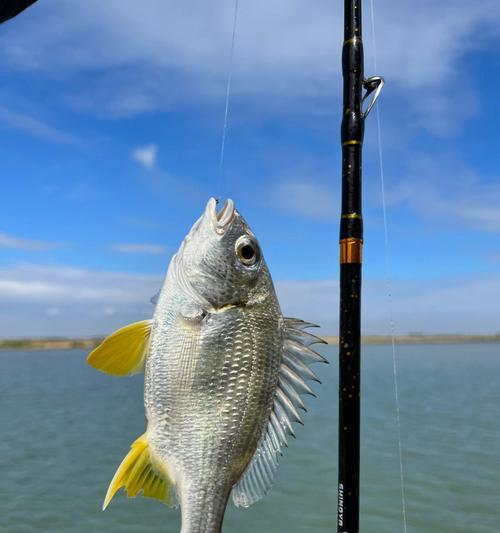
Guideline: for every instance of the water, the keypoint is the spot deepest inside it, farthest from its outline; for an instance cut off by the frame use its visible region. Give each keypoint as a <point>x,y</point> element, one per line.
<point>66,427</point>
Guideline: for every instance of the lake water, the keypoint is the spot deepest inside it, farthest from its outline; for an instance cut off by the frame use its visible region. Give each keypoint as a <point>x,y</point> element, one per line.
<point>66,427</point>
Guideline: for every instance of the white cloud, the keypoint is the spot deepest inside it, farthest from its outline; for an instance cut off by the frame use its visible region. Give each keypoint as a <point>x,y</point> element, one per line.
<point>58,285</point>
<point>178,51</point>
<point>36,127</point>
<point>95,303</point>
<point>146,155</point>
<point>19,243</point>
<point>88,302</point>
<point>444,188</point>
<point>140,248</point>
<point>433,306</point>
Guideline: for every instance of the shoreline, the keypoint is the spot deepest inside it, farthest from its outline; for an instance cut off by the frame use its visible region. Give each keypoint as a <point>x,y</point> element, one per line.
<point>90,343</point>
<point>422,339</point>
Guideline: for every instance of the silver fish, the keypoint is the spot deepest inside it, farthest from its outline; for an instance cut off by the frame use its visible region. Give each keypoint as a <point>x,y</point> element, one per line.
<point>224,375</point>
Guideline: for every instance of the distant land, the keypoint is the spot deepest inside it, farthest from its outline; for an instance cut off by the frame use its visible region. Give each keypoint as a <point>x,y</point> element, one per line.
<point>421,338</point>
<point>89,343</point>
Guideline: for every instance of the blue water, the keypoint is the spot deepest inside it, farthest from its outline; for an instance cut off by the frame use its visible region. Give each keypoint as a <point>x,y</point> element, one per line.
<point>66,427</point>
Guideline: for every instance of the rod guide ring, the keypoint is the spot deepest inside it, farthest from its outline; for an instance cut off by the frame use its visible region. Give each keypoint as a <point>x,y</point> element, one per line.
<point>372,85</point>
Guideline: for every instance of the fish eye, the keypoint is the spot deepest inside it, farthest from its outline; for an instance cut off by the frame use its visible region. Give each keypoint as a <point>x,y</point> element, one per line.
<point>247,251</point>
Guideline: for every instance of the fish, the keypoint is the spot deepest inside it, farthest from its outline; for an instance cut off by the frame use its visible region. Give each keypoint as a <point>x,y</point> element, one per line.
<point>225,375</point>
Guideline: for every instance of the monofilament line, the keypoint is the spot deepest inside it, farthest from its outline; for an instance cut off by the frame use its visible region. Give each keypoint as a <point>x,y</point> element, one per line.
<point>388,283</point>
<point>228,95</point>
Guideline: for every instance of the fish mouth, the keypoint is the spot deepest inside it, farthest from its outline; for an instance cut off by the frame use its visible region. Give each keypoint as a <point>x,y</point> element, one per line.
<point>221,220</point>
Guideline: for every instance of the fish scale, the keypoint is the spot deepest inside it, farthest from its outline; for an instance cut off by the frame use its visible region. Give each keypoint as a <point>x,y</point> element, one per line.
<point>224,371</point>
<point>223,408</point>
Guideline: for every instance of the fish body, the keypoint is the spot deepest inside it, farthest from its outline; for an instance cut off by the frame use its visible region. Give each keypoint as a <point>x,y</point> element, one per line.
<point>222,382</point>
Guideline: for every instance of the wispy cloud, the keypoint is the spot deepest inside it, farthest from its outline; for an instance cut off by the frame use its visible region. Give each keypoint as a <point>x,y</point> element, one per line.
<point>54,285</point>
<point>19,243</point>
<point>146,155</point>
<point>179,51</point>
<point>307,198</point>
<point>36,127</point>
<point>85,302</point>
<point>140,248</point>
<point>89,302</point>
<point>436,305</point>
<point>444,188</point>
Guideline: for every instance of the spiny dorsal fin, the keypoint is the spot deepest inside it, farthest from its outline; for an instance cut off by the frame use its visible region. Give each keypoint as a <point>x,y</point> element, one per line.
<point>124,351</point>
<point>137,474</point>
<point>293,376</point>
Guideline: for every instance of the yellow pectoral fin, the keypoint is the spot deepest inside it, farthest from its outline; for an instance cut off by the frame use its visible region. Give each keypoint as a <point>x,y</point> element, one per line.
<point>124,351</point>
<point>136,473</point>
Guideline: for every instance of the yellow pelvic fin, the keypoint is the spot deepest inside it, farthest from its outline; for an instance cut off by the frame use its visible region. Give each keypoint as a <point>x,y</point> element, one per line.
<point>136,473</point>
<point>124,351</point>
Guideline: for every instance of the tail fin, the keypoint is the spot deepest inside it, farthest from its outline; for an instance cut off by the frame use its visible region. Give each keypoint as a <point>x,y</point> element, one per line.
<point>136,473</point>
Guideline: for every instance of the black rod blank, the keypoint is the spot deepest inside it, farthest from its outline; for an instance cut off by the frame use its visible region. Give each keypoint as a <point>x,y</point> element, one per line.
<point>351,242</point>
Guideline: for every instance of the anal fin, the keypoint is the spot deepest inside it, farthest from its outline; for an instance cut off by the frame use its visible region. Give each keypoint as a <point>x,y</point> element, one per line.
<point>137,474</point>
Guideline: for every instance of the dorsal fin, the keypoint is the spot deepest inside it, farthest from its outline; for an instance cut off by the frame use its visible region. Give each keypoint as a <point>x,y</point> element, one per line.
<point>293,376</point>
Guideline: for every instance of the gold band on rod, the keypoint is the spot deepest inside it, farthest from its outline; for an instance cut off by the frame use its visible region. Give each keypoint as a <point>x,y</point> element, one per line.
<point>348,143</point>
<point>352,40</point>
<point>351,250</point>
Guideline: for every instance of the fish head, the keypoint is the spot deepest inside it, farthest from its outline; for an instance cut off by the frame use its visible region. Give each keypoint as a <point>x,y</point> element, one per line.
<point>220,262</point>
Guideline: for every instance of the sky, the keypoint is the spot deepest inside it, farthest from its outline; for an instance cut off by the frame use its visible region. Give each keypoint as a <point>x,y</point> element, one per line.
<point>111,120</point>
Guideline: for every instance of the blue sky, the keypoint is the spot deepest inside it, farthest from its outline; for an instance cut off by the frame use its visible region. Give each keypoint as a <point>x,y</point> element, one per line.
<point>110,128</point>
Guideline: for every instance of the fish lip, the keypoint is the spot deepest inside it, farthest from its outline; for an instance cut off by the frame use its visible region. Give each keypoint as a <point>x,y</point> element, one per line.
<point>220,221</point>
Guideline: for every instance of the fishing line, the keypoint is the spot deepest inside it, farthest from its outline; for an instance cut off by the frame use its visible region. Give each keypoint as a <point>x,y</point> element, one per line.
<point>388,283</point>
<point>228,94</point>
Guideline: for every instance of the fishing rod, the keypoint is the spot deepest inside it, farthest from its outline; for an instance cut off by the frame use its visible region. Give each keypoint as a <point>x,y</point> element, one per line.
<point>356,91</point>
